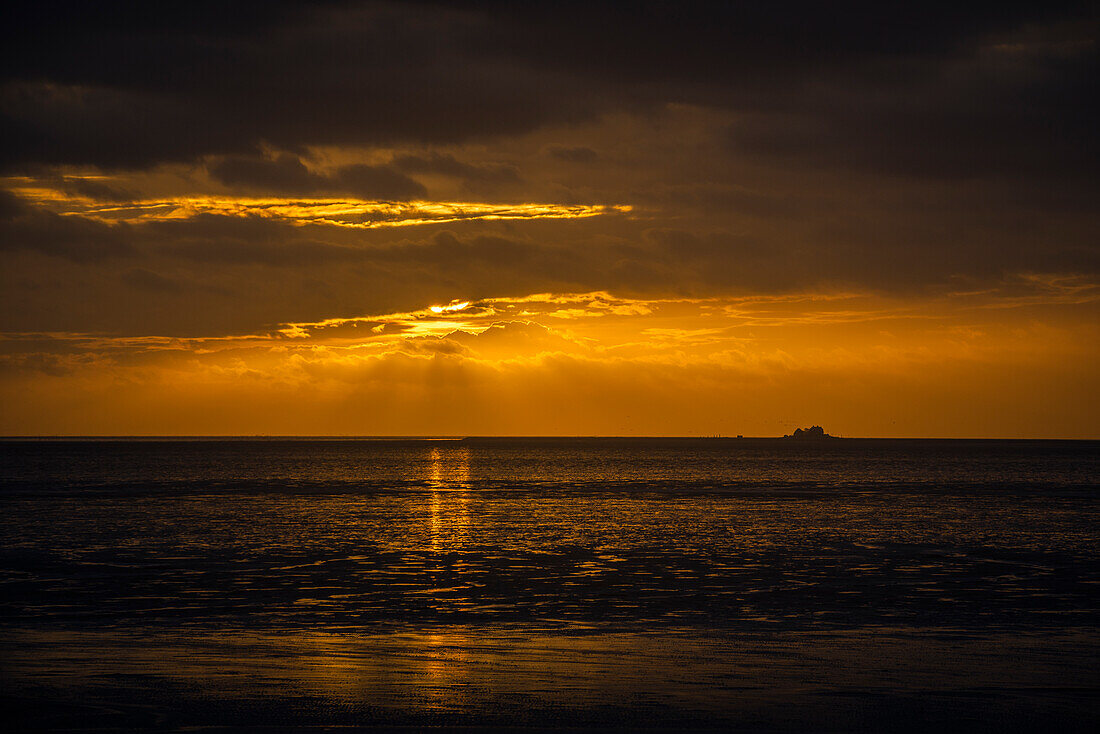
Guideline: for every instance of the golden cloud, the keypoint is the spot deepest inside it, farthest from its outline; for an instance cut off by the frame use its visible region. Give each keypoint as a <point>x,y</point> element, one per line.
<point>301,211</point>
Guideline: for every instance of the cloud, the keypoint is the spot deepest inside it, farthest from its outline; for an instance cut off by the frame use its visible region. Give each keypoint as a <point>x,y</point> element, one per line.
<point>579,154</point>
<point>347,75</point>
<point>73,238</point>
<point>520,377</point>
<point>286,174</point>
<point>377,182</point>
<point>350,158</point>
<point>300,75</point>
<point>10,206</point>
<point>999,113</point>
<point>94,188</point>
<point>295,253</point>
<point>330,211</point>
<point>441,164</point>
<point>143,279</point>
<point>283,174</point>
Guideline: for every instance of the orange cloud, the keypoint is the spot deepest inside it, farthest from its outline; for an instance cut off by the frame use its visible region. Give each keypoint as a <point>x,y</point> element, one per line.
<point>337,212</point>
<point>580,363</point>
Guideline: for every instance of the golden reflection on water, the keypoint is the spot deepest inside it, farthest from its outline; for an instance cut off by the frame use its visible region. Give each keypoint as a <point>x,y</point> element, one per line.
<point>449,481</point>
<point>432,668</point>
<point>445,656</point>
<point>428,671</point>
<point>446,662</point>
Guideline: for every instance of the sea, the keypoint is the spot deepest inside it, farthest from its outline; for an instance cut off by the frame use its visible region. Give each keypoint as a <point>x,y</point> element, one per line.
<point>750,585</point>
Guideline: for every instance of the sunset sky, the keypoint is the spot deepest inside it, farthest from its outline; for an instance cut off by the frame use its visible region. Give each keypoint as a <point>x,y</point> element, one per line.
<point>550,219</point>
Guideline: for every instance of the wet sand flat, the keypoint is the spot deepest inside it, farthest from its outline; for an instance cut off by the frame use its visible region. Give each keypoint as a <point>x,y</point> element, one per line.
<point>783,681</point>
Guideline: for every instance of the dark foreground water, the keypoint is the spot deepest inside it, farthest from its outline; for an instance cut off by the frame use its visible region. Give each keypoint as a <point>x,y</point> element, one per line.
<point>753,585</point>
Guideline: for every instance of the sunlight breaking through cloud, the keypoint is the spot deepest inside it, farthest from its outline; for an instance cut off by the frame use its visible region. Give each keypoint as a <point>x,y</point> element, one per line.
<point>614,350</point>
<point>344,212</point>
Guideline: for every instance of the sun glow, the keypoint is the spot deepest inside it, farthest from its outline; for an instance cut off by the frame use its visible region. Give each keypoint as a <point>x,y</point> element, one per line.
<point>623,365</point>
<point>450,307</point>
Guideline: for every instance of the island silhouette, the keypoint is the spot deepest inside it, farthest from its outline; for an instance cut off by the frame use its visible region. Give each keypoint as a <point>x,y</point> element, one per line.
<point>812,433</point>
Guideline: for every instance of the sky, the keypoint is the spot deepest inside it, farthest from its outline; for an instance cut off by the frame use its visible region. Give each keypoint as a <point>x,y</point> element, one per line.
<point>493,218</point>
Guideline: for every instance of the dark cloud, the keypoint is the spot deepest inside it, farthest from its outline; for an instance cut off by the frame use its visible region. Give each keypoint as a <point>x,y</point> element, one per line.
<point>447,250</point>
<point>361,75</point>
<point>147,280</point>
<point>1009,114</point>
<point>377,182</point>
<point>219,228</point>
<point>578,154</point>
<point>133,86</point>
<point>295,253</point>
<point>218,240</point>
<point>72,238</point>
<point>765,147</point>
<point>10,205</point>
<point>220,274</point>
<point>723,42</point>
<point>447,165</point>
<point>286,174</point>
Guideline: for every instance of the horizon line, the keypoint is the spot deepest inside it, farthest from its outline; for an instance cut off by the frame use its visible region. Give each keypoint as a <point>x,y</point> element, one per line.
<point>462,437</point>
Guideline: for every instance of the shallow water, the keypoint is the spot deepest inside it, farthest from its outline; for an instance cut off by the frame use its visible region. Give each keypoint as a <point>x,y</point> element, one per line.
<point>765,585</point>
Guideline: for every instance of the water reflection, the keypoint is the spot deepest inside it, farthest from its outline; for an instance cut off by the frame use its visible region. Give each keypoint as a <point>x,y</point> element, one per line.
<point>449,468</point>
<point>449,484</point>
<point>446,668</point>
<point>445,657</point>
